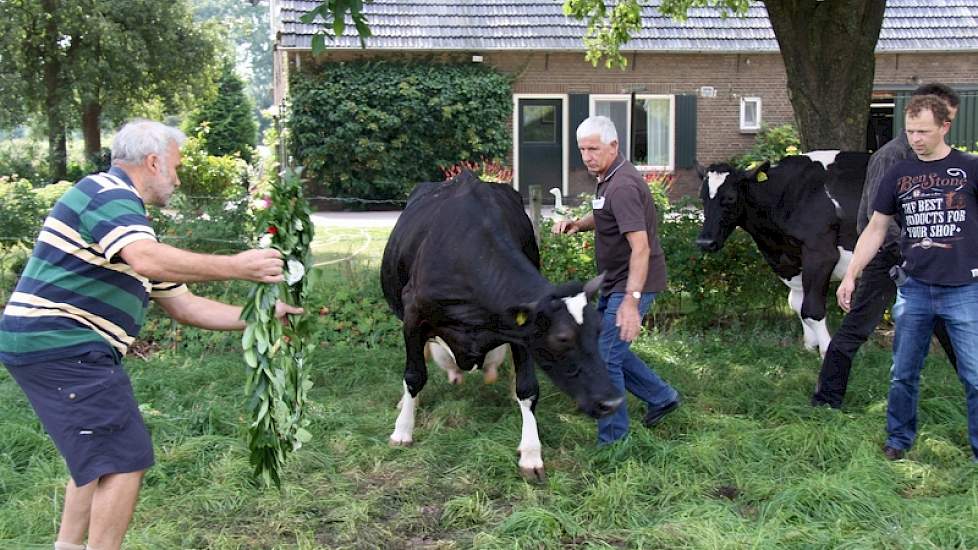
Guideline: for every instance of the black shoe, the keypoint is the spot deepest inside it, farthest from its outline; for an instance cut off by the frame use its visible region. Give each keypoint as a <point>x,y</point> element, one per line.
<point>893,454</point>
<point>818,402</point>
<point>654,416</point>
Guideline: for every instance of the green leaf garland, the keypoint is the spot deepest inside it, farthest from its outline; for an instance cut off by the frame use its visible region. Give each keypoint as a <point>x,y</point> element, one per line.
<point>275,353</point>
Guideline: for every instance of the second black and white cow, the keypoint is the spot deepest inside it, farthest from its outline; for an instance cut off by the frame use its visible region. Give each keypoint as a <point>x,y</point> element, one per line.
<point>801,213</point>
<point>461,270</point>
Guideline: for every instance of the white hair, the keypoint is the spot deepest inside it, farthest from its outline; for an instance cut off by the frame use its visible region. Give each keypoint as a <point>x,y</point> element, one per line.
<point>140,138</point>
<point>600,125</point>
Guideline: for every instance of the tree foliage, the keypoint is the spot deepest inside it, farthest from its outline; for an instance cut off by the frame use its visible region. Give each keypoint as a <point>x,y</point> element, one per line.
<point>227,119</point>
<point>95,58</point>
<point>332,14</point>
<point>828,50</point>
<point>244,25</point>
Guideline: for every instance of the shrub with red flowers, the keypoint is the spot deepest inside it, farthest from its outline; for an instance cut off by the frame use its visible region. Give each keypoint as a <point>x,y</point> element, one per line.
<point>486,170</point>
<point>276,353</point>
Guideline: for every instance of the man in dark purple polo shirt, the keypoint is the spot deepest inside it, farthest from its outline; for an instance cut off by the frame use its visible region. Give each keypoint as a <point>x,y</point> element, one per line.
<point>627,250</point>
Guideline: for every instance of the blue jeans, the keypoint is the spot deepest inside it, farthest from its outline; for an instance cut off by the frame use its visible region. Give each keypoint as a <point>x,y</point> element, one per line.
<point>626,370</point>
<point>919,306</point>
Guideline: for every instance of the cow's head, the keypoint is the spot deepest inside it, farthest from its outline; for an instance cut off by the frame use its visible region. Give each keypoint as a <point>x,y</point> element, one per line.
<point>723,194</point>
<point>563,340</point>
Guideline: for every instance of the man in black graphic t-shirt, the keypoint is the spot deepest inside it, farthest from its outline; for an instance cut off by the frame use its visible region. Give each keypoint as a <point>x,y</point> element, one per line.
<point>875,291</point>
<point>933,198</point>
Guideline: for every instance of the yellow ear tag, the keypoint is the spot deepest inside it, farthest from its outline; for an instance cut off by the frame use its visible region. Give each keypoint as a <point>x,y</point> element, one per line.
<point>761,176</point>
<point>521,318</point>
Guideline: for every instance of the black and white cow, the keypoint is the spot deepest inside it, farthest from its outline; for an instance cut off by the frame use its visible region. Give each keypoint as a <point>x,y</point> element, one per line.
<point>461,270</point>
<point>801,213</point>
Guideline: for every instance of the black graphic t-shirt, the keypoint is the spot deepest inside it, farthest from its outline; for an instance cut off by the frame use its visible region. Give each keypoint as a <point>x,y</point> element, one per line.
<point>935,204</point>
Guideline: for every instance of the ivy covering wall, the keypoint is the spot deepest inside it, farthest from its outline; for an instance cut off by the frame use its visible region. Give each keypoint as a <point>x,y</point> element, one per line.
<point>374,129</point>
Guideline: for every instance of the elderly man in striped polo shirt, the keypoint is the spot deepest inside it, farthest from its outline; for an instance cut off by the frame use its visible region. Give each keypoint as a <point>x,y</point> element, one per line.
<point>79,305</point>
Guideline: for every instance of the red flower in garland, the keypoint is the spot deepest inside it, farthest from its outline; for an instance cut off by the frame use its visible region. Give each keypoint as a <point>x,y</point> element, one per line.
<point>272,230</point>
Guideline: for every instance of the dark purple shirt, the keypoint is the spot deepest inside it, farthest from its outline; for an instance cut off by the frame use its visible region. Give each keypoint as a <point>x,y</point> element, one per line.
<point>628,206</point>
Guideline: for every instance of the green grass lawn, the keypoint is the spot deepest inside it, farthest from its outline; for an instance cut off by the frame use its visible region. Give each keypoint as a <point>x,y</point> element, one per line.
<point>745,463</point>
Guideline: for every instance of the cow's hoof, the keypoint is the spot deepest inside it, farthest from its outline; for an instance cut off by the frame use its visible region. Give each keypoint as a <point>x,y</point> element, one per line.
<point>534,475</point>
<point>490,376</point>
<point>400,442</point>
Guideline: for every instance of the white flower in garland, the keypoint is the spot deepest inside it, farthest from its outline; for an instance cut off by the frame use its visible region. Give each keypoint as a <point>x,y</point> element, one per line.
<point>296,272</point>
<point>297,225</point>
<point>265,241</point>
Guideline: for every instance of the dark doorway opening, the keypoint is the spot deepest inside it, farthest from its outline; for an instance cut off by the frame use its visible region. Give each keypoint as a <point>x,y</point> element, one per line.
<point>880,128</point>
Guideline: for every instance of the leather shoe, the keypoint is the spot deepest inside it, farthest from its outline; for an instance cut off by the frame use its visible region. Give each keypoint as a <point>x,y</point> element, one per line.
<point>654,416</point>
<point>893,454</point>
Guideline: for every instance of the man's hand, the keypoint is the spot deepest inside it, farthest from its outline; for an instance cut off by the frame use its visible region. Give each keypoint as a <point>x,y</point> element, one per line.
<point>282,309</point>
<point>566,227</point>
<point>628,321</point>
<point>844,293</point>
<point>260,265</point>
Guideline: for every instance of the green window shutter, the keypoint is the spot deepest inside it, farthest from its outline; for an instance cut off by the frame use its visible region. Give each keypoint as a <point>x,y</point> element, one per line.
<point>964,129</point>
<point>900,100</point>
<point>685,131</point>
<point>578,107</point>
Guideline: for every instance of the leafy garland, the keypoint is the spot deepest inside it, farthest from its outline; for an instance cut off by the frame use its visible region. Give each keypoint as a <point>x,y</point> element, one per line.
<point>276,353</point>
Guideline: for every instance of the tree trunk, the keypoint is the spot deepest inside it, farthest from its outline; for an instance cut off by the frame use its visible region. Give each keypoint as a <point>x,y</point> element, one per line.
<point>829,53</point>
<point>53,94</point>
<point>92,127</point>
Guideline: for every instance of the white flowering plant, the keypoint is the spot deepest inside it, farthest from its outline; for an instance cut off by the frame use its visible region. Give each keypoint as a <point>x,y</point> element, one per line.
<point>217,225</point>
<point>276,353</point>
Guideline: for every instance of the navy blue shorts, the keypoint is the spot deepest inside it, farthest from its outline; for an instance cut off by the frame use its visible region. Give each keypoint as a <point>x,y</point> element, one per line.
<point>87,406</point>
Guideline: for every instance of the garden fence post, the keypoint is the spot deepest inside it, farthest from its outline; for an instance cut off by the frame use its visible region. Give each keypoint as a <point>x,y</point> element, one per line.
<point>536,201</point>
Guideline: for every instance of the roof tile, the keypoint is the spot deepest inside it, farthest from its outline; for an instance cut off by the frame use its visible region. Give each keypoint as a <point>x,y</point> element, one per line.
<point>908,25</point>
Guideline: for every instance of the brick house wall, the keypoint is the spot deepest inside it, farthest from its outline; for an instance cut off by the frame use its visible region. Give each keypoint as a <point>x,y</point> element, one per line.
<point>718,134</point>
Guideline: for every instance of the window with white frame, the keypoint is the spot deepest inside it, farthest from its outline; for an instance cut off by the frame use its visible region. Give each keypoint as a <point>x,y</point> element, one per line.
<point>750,114</point>
<point>646,129</point>
<point>614,107</point>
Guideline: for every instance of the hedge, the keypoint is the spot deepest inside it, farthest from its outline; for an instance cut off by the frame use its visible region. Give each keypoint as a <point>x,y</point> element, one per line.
<point>374,129</point>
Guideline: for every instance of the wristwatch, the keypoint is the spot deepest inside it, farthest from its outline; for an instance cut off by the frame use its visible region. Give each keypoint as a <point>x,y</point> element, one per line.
<point>636,294</point>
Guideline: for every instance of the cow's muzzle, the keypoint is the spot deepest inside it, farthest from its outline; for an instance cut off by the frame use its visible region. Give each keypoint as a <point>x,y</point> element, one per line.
<point>708,245</point>
<point>605,407</point>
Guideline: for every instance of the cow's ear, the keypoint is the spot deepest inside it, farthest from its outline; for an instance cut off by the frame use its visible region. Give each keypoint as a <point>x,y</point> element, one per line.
<point>592,287</point>
<point>759,172</point>
<point>700,170</point>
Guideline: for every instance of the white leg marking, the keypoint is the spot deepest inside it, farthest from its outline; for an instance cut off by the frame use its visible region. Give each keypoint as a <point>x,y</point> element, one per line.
<point>444,358</point>
<point>795,297</point>
<point>575,306</point>
<point>404,425</point>
<point>531,457</point>
<point>490,366</point>
<point>821,332</point>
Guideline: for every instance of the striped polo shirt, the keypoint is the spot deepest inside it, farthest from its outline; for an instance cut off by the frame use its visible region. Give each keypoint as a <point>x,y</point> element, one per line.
<point>76,294</point>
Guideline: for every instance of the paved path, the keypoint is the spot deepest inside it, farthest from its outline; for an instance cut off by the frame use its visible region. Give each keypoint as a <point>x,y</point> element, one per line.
<point>356,219</point>
<point>368,219</point>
